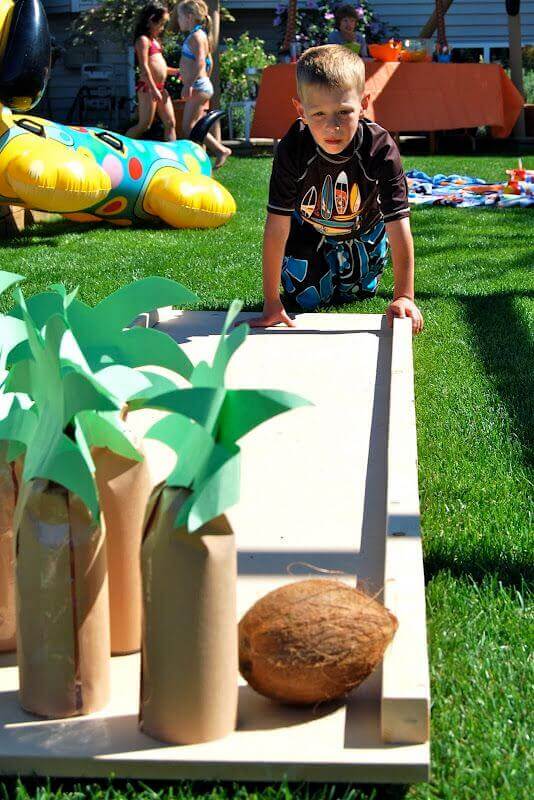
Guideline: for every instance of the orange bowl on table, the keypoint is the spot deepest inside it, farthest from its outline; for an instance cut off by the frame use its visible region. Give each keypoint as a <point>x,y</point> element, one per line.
<point>385,52</point>
<point>414,55</point>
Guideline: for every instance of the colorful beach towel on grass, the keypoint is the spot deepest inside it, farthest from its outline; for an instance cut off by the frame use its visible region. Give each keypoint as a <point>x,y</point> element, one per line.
<point>465,191</point>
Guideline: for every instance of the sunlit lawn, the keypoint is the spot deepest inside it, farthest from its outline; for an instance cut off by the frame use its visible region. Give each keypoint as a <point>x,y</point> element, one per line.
<point>474,386</point>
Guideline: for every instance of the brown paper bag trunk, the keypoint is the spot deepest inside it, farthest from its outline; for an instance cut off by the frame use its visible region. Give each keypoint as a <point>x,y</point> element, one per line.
<point>62,603</point>
<point>124,487</point>
<point>189,667</point>
<point>8,499</point>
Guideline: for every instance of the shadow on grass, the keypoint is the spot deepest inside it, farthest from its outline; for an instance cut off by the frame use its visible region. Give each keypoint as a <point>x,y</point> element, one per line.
<point>506,351</point>
<point>40,232</point>
<point>505,348</point>
<point>512,571</point>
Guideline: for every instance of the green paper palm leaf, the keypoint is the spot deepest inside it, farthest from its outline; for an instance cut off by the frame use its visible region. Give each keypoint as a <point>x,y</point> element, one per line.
<point>100,332</point>
<point>97,343</point>
<point>9,279</point>
<point>216,494</point>
<point>205,424</point>
<point>106,429</point>
<point>61,389</point>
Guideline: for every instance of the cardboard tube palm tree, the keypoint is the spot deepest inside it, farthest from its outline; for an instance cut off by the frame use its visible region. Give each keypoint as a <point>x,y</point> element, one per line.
<point>62,624</point>
<point>189,653</point>
<point>110,351</point>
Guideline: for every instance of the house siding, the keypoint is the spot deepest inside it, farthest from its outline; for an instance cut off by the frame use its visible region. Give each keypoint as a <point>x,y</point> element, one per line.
<point>64,83</point>
<point>258,22</point>
<point>467,21</point>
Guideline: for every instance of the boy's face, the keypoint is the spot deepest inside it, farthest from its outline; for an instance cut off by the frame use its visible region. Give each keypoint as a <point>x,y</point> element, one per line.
<point>332,115</point>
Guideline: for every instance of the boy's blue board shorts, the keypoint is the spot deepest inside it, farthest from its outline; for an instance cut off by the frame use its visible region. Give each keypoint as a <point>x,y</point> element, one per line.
<point>322,270</point>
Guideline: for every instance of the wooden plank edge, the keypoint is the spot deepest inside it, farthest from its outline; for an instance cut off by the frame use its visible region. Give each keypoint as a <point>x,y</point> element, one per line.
<point>150,319</point>
<point>414,771</point>
<point>405,704</point>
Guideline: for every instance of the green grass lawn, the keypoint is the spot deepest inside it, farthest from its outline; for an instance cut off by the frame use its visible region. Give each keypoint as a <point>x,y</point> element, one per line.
<point>474,368</point>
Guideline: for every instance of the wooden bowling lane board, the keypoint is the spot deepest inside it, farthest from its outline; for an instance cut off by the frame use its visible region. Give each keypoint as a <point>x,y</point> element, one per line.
<point>333,485</point>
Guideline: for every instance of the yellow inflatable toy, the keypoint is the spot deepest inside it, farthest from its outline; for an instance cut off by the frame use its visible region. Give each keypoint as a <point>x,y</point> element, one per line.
<point>90,174</point>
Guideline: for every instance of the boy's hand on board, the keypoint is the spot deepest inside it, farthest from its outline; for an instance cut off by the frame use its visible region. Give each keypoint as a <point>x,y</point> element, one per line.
<point>404,307</point>
<point>273,313</point>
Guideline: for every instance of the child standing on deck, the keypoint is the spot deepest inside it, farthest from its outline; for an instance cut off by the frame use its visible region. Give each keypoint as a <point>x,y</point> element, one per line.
<point>337,194</point>
<point>152,95</point>
<point>195,68</point>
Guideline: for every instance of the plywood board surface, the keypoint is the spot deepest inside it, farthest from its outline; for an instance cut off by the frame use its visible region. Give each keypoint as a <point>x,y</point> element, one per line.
<point>314,487</point>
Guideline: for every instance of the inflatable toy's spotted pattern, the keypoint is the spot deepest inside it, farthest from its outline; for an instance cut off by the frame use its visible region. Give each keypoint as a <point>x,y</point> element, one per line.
<point>104,175</point>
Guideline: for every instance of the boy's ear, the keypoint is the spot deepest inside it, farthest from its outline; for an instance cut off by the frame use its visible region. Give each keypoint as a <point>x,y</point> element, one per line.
<point>365,100</point>
<point>299,107</point>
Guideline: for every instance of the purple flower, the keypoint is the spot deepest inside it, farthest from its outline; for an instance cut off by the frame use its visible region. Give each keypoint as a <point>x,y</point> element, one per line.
<point>280,8</point>
<point>374,28</point>
<point>360,12</point>
<point>277,21</point>
<point>329,15</point>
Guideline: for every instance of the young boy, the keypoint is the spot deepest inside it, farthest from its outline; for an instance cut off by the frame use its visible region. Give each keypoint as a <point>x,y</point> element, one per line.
<point>337,194</point>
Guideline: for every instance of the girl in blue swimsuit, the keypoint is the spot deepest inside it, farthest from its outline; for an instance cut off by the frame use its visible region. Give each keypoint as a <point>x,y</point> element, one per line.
<point>195,69</point>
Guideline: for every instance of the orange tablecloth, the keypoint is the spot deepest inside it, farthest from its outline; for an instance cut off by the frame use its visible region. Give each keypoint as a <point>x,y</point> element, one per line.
<point>406,97</point>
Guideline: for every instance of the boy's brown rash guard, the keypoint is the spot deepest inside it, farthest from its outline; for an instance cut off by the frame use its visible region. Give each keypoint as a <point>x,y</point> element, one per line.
<point>339,195</point>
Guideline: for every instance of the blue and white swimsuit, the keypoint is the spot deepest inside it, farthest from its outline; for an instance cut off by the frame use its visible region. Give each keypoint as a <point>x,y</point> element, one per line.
<point>203,84</point>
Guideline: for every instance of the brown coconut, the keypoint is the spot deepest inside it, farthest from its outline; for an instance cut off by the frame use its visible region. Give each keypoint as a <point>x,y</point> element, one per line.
<point>312,641</point>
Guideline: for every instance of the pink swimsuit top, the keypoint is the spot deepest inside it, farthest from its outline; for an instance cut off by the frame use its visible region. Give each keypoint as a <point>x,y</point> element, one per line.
<point>154,47</point>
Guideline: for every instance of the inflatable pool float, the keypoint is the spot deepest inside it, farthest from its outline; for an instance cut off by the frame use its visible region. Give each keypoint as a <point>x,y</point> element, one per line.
<point>91,174</point>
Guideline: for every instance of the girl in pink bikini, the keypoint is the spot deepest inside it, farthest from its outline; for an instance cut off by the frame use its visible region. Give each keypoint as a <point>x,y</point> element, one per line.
<point>152,95</point>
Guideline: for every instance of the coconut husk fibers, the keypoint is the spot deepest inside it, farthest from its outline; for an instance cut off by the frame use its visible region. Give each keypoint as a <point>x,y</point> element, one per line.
<point>62,603</point>
<point>8,499</point>
<point>312,641</point>
<point>189,674</point>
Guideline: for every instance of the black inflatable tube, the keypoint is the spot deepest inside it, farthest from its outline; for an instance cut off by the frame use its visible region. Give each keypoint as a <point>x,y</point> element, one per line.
<point>25,67</point>
<point>201,129</point>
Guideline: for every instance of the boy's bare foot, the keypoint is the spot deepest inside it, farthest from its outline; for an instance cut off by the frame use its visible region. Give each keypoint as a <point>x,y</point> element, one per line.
<point>220,160</point>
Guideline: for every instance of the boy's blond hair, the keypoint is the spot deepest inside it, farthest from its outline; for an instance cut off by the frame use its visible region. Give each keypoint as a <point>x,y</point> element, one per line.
<point>332,66</point>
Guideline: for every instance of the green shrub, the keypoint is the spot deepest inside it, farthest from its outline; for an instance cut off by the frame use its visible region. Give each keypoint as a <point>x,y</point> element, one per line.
<point>528,85</point>
<point>235,57</point>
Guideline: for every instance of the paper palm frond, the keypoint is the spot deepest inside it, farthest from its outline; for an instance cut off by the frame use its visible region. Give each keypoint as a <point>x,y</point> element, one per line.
<point>53,429</point>
<point>100,331</point>
<point>105,351</point>
<point>206,422</point>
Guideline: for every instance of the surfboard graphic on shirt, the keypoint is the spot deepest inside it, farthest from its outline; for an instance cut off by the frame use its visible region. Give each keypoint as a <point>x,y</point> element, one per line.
<point>354,198</point>
<point>337,211</point>
<point>341,193</point>
<point>327,198</point>
<point>309,201</point>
